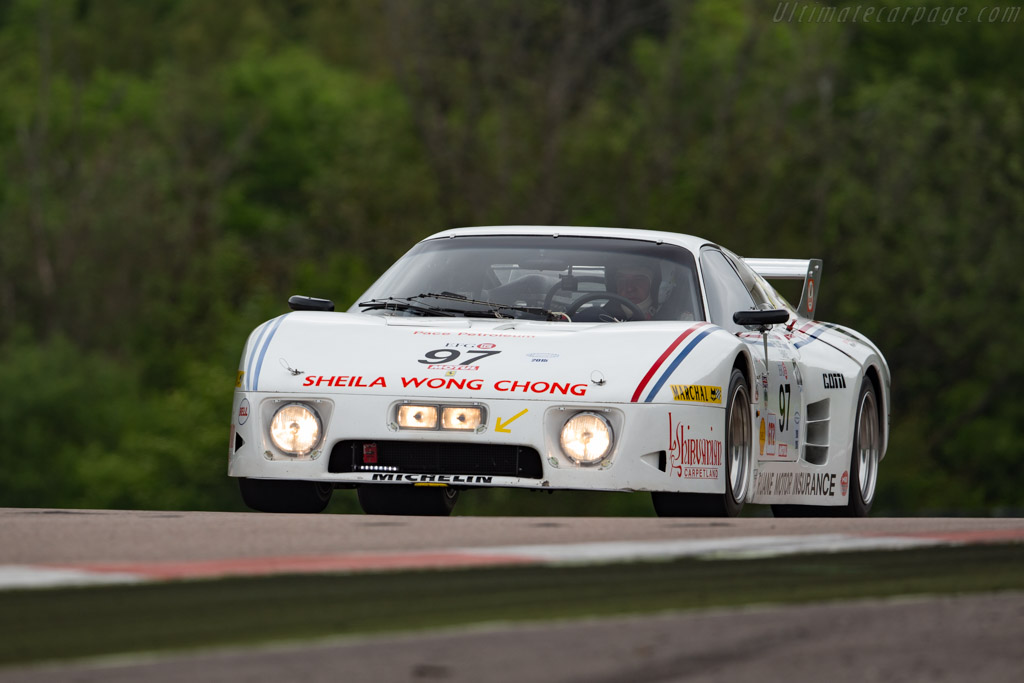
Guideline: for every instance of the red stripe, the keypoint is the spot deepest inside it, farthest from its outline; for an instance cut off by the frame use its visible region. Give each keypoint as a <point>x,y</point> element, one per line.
<point>661,359</point>
<point>439,559</point>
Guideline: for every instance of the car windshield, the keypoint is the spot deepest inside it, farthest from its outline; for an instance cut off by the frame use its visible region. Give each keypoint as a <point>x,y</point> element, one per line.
<point>540,277</point>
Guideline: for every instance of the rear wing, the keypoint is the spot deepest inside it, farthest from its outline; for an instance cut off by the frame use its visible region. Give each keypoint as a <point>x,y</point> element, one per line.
<point>809,270</point>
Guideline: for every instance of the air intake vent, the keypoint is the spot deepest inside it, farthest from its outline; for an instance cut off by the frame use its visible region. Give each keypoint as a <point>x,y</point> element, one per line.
<point>816,447</point>
<point>427,457</point>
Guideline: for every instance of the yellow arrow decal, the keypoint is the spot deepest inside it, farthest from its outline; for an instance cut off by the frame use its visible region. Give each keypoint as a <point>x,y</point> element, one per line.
<point>500,426</point>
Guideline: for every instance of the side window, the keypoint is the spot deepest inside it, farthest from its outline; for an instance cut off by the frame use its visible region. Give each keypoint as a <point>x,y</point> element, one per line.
<point>725,290</point>
<point>750,281</point>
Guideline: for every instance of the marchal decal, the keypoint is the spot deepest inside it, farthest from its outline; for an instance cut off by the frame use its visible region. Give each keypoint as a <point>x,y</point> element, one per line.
<point>696,393</point>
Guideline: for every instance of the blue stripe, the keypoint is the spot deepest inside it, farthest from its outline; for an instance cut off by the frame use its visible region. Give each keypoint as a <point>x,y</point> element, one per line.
<point>679,359</point>
<point>263,351</point>
<point>252,355</point>
<point>818,333</point>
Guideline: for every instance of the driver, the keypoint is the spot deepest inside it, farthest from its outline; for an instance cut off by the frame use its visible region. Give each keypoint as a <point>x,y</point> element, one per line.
<point>637,281</point>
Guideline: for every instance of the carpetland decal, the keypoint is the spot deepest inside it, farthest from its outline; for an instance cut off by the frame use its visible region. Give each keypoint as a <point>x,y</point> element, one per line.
<point>691,456</point>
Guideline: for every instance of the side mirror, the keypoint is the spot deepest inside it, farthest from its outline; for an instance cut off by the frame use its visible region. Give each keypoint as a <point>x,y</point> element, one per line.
<point>308,303</point>
<point>761,319</point>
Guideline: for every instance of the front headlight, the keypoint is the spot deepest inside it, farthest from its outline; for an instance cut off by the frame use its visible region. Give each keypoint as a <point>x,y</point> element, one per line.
<point>417,417</point>
<point>461,417</point>
<point>295,429</point>
<point>587,438</point>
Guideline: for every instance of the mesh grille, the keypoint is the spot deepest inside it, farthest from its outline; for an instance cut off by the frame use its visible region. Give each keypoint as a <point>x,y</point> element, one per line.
<point>426,457</point>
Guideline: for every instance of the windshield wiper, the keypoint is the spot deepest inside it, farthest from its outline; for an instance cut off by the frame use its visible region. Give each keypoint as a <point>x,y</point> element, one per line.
<point>495,307</point>
<point>413,304</point>
<point>406,304</point>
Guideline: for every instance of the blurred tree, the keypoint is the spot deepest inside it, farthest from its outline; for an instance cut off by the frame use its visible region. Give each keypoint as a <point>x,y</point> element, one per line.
<point>494,87</point>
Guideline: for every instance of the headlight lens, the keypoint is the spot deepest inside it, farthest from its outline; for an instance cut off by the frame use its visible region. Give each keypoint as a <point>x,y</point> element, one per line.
<point>587,438</point>
<point>295,429</point>
<point>417,417</point>
<point>461,417</point>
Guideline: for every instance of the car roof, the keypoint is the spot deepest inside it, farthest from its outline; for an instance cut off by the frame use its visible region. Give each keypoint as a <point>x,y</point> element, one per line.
<point>686,241</point>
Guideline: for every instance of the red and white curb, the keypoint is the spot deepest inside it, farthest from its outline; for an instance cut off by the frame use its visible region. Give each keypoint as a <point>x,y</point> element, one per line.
<point>747,547</point>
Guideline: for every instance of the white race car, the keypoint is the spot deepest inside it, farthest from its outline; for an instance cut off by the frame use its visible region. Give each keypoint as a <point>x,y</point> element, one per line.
<point>564,358</point>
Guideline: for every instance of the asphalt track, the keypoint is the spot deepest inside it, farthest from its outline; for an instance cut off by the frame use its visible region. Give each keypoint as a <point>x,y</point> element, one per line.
<point>156,545</point>
<point>942,638</point>
<point>974,638</point>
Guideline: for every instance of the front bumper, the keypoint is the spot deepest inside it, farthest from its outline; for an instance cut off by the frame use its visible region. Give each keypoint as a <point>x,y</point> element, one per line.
<point>518,447</point>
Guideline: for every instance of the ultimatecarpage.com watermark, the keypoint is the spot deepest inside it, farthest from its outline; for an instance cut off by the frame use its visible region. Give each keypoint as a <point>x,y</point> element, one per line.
<point>813,13</point>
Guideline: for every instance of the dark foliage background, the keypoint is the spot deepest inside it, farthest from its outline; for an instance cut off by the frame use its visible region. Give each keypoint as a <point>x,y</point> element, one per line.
<point>171,170</point>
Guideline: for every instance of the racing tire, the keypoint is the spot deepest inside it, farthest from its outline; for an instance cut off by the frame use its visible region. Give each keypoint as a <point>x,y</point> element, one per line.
<point>738,464</point>
<point>264,495</point>
<point>864,459</point>
<point>423,501</point>
<point>867,453</point>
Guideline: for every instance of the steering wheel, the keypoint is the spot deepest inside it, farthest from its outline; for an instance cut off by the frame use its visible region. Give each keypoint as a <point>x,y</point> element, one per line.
<point>575,306</point>
<point>558,285</point>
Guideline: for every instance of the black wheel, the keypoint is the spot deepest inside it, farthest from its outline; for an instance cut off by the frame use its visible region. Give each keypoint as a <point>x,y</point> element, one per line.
<point>430,501</point>
<point>574,308</point>
<point>266,495</point>
<point>738,457</point>
<point>867,451</point>
<point>864,458</point>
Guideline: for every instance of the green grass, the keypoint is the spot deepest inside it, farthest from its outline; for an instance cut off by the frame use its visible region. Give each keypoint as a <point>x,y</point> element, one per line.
<point>64,623</point>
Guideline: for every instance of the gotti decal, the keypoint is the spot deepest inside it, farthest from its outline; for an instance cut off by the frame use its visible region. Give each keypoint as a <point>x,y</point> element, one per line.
<point>833,380</point>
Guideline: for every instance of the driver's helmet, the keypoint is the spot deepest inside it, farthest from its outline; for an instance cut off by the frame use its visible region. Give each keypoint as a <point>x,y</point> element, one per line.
<point>637,279</point>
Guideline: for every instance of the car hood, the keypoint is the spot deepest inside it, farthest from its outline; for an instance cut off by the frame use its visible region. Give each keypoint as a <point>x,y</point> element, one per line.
<point>350,353</point>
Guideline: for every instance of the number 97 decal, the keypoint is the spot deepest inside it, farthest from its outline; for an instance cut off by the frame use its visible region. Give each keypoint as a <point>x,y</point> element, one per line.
<point>785,403</point>
<point>439,356</point>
